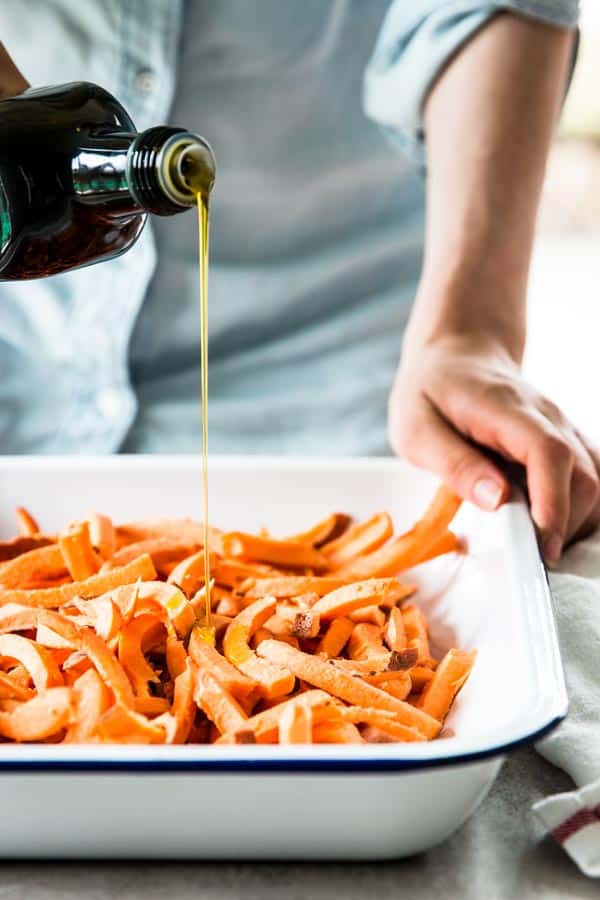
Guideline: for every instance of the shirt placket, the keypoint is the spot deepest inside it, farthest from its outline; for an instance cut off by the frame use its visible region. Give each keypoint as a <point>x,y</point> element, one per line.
<point>107,301</point>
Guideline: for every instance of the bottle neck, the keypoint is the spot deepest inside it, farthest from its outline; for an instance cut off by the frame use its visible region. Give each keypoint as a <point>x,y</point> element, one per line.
<point>159,170</point>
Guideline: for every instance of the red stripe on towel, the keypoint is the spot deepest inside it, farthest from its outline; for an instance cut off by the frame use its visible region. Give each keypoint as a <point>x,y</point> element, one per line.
<point>575,823</point>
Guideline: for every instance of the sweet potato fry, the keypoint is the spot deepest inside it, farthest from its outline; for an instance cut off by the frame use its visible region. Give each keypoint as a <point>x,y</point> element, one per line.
<point>91,698</point>
<point>361,538</point>
<point>123,725</point>
<point>451,674</point>
<point>286,586</point>
<point>301,623</point>
<point>38,718</point>
<point>184,707</point>
<point>189,573</point>
<point>184,531</point>
<point>336,637</point>
<point>42,564</point>
<point>54,598</point>
<point>273,680</point>
<point>102,534</point>
<point>38,661</point>
<point>80,558</point>
<point>295,724</point>
<point>395,633</point>
<point>368,615</point>
<point>12,689</point>
<point>345,600</point>
<point>265,725</point>
<point>233,573</point>
<point>420,677</point>
<point>382,720</point>
<point>216,701</point>
<point>279,553</point>
<point>140,634</point>
<point>336,732</point>
<point>365,642</point>
<point>410,548</point>
<point>415,628</point>
<point>22,544</point>
<point>27,525</point>
<point>323,674</point>
<point>232,679</point>
<point>326,530</point>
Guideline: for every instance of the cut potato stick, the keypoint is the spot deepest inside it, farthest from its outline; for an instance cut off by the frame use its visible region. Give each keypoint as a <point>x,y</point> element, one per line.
<point>295,724</point>
<point>12,689</point>
<point>273,680</point>
<point>265,725</point>
<point>123,725</point>
<point>216,701</point>
<point>43,563</point>
<point>345,600</point>
<point>165,554</point>
<point>451,674</point>
<point>336,637</point>
<point>382,720</point>
<point>183,531</point>
<point>286,586</point>
<point>411,547</point>
<point>91,698</point>
<point>231,678</point>
<point>395,633</point>
<point>233,573</point>
<point>38,718</point>
<point>146,628</point>
<point>420,677</point>
<point>80,558</point>
<point>415,628</point>
<point>26,523</point>
<point>336,732</point>
<point>188,575</point>
<point>280,553</point>
<point>184,707</point>
<point>322,674</point>
<point>38,661</point>
<point>326,530</point>
<point>22,544</point>
<point>53,598</point>
<point>369,615</point>
<point>365,642</point>
<point>301,623</point>
<point>361,538</point>
<point>102,534</point>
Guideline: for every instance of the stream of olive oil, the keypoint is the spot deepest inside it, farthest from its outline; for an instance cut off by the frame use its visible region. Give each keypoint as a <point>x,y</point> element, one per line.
<point>202,203</point>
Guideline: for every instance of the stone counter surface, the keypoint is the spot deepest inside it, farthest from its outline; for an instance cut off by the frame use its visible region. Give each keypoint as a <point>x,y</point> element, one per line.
<point>498,855</point>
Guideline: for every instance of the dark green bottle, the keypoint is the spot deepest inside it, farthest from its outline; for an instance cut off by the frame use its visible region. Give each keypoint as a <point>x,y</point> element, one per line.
<point>77,180</point>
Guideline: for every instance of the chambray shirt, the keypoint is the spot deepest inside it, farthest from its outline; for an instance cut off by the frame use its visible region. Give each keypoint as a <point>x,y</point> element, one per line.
<point>316,233</point>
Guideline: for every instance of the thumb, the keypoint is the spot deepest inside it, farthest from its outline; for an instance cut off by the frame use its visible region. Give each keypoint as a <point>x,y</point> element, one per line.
<point>11,80</point>
<point>430,442</point>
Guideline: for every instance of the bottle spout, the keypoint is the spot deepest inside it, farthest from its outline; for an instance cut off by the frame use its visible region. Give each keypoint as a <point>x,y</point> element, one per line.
<point>186,168</point>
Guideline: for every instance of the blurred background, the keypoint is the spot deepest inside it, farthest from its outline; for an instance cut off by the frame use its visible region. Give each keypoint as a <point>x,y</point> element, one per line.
<point>563,357</point>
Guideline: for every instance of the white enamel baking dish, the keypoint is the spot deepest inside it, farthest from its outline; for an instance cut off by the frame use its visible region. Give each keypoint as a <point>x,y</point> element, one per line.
<point>364,802</point>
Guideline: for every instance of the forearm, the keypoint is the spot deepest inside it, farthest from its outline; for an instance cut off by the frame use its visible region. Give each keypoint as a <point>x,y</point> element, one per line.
<point>489,121</point>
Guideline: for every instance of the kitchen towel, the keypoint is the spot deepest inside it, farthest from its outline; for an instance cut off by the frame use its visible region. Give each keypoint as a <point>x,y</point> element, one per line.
<point>573,817</point>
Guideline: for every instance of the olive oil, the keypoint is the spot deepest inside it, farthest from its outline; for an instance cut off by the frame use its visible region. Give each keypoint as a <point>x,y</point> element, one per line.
<point>202,202</point>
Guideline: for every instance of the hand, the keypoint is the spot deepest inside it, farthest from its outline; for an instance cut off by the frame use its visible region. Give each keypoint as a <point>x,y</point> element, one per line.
<point>455,390</point>
<point>11,80</point>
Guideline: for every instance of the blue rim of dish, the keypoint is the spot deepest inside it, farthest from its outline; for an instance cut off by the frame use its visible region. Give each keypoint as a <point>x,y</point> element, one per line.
<point>274,766</point>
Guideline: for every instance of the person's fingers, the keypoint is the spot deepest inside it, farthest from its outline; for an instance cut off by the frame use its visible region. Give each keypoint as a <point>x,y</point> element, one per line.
<point>426,439</point>
<point>548,456</point>
<point>11,80</point>
<point>591,521</point>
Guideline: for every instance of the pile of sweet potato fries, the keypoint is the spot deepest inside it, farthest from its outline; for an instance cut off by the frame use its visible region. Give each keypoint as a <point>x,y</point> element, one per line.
<point>314,640</point>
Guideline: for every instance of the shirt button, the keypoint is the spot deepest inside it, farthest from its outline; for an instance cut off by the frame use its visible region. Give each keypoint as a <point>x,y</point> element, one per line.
<point>110,402</point>
<point>145,80</point>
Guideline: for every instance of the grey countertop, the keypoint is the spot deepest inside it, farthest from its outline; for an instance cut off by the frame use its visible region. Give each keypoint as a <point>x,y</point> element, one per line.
<point>498,855</point>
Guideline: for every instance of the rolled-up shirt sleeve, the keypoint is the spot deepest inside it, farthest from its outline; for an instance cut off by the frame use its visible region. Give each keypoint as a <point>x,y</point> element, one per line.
<point>417,39</point>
